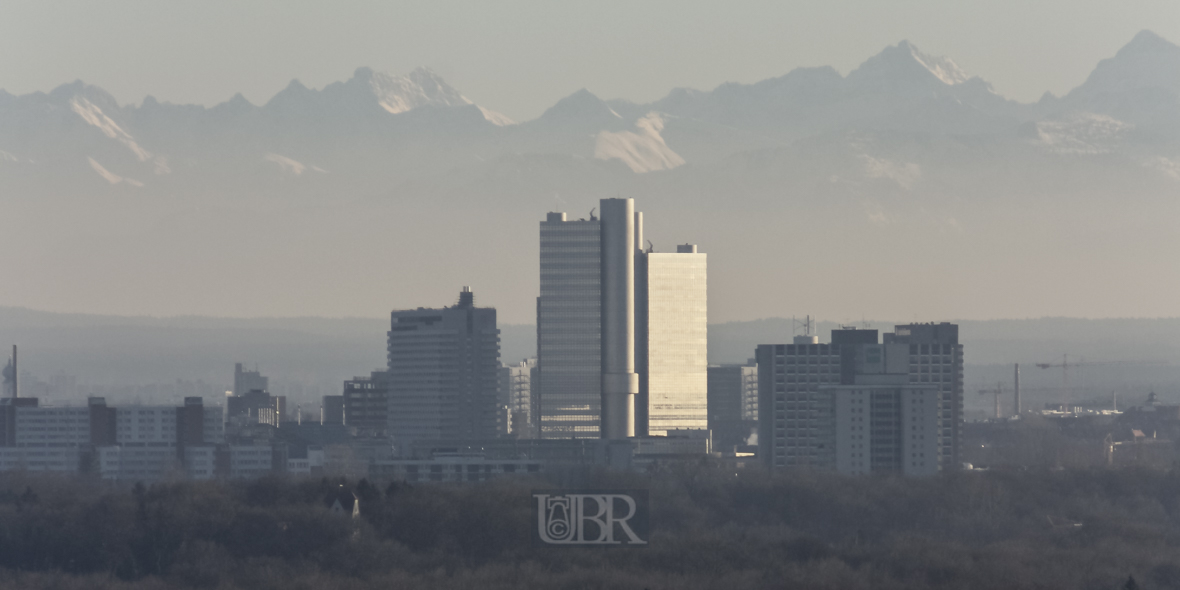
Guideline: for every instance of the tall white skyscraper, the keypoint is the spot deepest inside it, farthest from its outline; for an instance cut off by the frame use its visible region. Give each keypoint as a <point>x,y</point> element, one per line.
<point>613,320</point>
<point>672,331</point>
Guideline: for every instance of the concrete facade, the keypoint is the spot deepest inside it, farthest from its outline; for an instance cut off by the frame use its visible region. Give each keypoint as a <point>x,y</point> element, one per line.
<point>443,376</point>
<point>800,386</point>
<point>888,427</point>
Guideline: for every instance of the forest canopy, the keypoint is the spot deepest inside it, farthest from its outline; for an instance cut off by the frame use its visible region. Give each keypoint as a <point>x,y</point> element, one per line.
<point>710,528</point>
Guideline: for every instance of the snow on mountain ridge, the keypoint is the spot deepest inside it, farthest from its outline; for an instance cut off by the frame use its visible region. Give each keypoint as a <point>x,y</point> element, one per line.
<point>421,87</point>
<point>943,68</point>
<point>906,63</point>
<point>94,116</point>
<point>398,94</point>
<point>1082,133</point>
<point>111,177</point>
<point>392,94</point>
<point>642,150</point>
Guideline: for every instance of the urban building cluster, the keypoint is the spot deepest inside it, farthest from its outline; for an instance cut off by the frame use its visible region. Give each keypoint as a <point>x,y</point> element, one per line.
<point>857,405</point>
<point>621,377</point>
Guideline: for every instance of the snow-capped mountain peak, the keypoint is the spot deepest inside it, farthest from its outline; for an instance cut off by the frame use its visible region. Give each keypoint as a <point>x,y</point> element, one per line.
<point>421,87</point>
<point>392,94</point>
<point>943,68</point>
<point>906,63</point>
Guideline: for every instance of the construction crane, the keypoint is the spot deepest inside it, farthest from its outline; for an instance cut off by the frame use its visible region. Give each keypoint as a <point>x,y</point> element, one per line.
<point>997,392</point>
<point>1065,366</point>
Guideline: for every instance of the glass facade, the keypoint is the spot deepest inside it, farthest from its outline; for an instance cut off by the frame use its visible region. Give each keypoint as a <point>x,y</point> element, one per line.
<point>673,326</point>
<point>569,330</point>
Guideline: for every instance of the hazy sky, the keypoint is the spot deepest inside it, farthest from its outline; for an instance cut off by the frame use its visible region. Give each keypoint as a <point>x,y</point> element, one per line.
<point>519,57</point>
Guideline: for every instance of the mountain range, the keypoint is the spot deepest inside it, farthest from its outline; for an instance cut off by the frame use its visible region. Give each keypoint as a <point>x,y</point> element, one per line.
<point>386,184</point>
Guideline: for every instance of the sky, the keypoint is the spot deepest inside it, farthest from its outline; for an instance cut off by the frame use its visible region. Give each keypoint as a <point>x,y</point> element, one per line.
<point>519,56</point>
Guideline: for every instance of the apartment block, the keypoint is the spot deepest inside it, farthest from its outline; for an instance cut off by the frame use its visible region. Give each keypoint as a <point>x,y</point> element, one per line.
<point>811,394</point>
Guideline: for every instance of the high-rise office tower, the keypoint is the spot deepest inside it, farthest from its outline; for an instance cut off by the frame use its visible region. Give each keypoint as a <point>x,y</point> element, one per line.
<point>672,341</point>
<point>612,317</point>
<point>443,374</point>
<point>569,328</point>
<point>804,387</point>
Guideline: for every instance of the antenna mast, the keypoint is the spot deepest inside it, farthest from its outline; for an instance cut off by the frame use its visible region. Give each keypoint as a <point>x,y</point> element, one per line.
<point>807,324</point>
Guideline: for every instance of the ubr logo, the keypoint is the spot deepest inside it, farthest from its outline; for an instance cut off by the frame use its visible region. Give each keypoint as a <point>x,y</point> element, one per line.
<point>592,518</point>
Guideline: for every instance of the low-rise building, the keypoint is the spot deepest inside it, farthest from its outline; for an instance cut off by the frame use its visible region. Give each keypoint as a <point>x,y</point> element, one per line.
<point>456,468</point>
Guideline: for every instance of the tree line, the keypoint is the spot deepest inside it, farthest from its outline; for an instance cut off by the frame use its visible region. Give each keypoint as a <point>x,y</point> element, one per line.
<point>711,527</point>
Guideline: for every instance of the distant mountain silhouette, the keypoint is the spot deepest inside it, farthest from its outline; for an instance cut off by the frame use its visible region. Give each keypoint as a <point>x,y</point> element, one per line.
<point>393,174</point>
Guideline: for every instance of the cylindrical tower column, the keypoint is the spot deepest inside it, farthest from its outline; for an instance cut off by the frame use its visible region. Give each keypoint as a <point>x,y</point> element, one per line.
<point>620,383</point>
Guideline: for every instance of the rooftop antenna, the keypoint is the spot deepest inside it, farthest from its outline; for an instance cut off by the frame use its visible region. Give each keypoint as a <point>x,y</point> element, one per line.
<point>806,324</point>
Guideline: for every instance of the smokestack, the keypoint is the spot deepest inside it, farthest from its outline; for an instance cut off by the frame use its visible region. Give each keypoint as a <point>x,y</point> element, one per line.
<point>620,383</point>
<point>1017,380</point>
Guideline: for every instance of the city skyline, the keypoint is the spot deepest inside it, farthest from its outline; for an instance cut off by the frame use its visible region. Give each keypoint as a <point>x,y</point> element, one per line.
<point>381,293</point>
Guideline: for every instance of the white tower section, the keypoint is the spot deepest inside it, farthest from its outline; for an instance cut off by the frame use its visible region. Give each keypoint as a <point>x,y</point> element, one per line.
<point>674,342</point>
<point>620,382</point>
